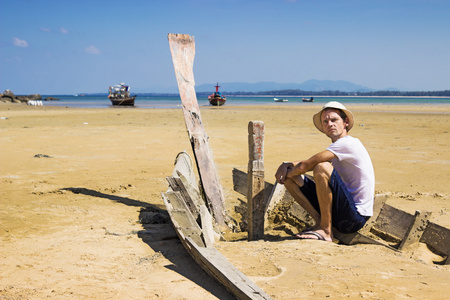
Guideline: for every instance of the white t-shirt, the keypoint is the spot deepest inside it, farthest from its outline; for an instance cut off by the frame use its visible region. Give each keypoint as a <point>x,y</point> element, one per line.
<point>354,166</point>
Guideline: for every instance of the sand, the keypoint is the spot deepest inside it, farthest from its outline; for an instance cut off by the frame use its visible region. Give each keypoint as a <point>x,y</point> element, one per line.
<point>74,182</point>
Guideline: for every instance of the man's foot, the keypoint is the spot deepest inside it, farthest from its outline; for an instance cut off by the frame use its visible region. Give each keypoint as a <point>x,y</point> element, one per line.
<point>313,235</point>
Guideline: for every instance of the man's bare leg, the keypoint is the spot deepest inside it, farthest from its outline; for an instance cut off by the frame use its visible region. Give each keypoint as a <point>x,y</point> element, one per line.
<point>293,186</point>
<point>322,175</point>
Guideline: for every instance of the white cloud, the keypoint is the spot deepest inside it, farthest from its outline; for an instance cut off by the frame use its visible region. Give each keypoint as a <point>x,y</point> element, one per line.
<point>64,31</point>
<point>19,43</point>
<point>92,50</point>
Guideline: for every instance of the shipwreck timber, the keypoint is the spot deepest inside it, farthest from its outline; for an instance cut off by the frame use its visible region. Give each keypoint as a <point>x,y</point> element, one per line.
<point>198,212</point>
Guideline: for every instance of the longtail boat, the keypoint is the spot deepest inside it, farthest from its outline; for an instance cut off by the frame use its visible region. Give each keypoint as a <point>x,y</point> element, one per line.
<point>217,99</point>
<point>120,95</point>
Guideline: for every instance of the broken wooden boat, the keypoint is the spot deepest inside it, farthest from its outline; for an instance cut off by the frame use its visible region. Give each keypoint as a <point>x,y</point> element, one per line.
<point>198,212</point>
<point>389,226</point>
<point>194,226</point>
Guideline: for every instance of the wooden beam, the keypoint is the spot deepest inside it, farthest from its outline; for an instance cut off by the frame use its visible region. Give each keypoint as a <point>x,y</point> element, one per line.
<point>438,238</point>
<point>378,203</point>
<point>220,268</point>
<point>394,222</point>
<point>182,48</point>
<point>184,223</point>
<point>177,185</point>
<point>255,194</point>
<point>207,227</point>
<point>416,229</point>
<point>240,183</point>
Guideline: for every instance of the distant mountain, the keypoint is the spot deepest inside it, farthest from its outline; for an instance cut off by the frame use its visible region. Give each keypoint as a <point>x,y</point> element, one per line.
<point>330,85</point>
<point>310,85</point>
<point>245,87</point>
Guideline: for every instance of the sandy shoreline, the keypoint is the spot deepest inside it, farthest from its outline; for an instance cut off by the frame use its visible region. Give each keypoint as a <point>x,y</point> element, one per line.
<point>70,225</point>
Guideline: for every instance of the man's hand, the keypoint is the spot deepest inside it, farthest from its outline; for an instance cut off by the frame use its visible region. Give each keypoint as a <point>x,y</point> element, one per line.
<point>283,171</point>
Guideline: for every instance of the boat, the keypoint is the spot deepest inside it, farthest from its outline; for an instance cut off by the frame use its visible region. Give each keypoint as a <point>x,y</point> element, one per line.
<point>280,100</point>
<point>217,99</point>
<point>308,100</point>
<point>194,226</point>
<point>120,95</point>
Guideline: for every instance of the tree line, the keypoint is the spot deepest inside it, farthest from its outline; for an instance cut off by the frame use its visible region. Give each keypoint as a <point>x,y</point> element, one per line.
<point>292,92</point>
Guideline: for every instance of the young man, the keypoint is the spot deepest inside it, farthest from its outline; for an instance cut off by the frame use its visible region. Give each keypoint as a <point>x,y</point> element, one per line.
<point>342,192</point>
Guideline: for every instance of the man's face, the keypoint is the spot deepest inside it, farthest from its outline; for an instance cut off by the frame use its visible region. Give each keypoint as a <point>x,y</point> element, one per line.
<point>333,125</point>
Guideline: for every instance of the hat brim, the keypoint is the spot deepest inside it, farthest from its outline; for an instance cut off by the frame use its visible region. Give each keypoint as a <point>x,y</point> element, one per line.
<point>335,105</point>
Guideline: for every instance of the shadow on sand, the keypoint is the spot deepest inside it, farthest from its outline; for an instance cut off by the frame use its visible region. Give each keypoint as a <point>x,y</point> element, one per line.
<point>158,233</point>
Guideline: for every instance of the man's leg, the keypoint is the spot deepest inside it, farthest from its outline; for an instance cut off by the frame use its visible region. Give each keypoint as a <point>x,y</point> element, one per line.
<point>323,227</point>
<point>322,175</point>
<point>293,186</point>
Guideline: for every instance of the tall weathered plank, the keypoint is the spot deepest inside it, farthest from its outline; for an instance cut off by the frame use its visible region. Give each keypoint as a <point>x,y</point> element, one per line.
<point>182,47</point>
<point>255,194</point>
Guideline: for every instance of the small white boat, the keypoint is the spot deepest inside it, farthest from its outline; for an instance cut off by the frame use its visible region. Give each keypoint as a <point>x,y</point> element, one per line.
<point>280,100</point>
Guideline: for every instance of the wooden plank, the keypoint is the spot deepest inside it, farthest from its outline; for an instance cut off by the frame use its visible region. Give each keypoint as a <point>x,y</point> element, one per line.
<point>378,204</point>
<point>182,48</point>
<point>183,168</point>
<point>394,222</point>
<point>255,193</point>
<point>416,230</point>
<point>438,238</point>
<point>194,238</point>
<point>185,172</point>
<point>240,179</point>
<point>184,223</point>
<point>360,236</point>
<point>177,186</point>
<point>218,267</point>
<point>207,227</point>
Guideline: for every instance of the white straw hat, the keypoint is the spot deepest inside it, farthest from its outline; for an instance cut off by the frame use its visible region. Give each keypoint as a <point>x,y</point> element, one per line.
<point>336,105</point>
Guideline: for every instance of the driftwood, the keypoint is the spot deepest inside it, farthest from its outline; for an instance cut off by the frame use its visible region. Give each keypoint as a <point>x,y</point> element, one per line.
<point>182,48</point>
<point>197,236</point>
<point>387,223</point>
<point>255,191</point>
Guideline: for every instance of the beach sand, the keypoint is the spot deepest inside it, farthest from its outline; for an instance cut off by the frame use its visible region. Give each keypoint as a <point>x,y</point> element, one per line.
<point>74,183</point>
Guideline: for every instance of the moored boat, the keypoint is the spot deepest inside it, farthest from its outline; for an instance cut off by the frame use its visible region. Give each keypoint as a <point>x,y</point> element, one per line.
<point>308,100</point>
<point>280,100</point>
<point>217,99</point>
<point>120,95</point>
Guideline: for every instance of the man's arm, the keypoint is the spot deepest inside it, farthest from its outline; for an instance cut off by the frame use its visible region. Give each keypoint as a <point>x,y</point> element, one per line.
<point>304,166</point>
<point>292,169</point>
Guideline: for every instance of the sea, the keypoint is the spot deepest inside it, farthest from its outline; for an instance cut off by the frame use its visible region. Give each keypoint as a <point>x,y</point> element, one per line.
<point>174,102</point>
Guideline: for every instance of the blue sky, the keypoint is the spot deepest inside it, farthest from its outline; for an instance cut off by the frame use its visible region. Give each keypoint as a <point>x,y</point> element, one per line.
<point>68,47</point>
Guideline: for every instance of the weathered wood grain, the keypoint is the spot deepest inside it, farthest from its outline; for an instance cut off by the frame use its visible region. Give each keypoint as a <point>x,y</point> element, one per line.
<point>255,192</point>
<point>199,240</point>
<point>438,238</point>
<point>220,268</point>
<point>416,230</point>
<point>182,47</point>
<point>394,222</point>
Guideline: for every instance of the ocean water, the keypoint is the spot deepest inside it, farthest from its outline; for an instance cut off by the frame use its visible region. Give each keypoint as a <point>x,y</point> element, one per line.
<point>172,102</point>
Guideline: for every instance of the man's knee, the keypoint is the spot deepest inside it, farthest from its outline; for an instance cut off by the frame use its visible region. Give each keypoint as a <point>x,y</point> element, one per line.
<point>294,182</point>
<point>323,170</point>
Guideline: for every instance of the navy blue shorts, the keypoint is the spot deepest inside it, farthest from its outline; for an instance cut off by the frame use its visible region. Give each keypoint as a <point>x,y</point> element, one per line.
<point>344,217</point>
